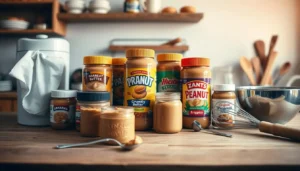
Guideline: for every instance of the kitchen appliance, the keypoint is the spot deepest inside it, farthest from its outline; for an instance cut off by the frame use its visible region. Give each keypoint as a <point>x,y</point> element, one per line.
<point>43,66</point>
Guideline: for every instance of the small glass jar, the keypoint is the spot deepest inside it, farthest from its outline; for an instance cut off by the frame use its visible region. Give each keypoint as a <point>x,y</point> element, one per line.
<point>90,109</point>
<point>132,6</point>
<point>117,123</point>
<point>167,113</point>
<point>97,74</point>
<point>62,109</point>
<point>118,81</point>
<point>226,93</point>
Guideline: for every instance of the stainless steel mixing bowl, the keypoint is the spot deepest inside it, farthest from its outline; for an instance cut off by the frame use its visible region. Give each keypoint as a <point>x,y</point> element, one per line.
<point>272,104</point>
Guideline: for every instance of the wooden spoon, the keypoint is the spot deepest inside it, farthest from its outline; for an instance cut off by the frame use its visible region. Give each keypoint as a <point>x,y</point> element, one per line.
<point>257,68</point>
<point>247,67</point>
<point>272,44</point>
<point>259,46</point>
<point>173,42</point>
<point>267,74</point>
<point>282,71</point>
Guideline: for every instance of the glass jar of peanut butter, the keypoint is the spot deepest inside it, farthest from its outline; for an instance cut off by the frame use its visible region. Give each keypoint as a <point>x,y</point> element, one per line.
<point>140,85</point>
<point>97,74</point>
<point>196,91</point>
<point>118,81</point>
<point>62,109</point>
<point>223,93</point>
<point>168,72</point>
<point>167,117</point>
<point>117,123</point>
<point>90,109</point>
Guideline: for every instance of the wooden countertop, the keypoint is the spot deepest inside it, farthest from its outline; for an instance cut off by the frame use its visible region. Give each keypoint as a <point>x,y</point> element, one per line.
<point>32,148</point>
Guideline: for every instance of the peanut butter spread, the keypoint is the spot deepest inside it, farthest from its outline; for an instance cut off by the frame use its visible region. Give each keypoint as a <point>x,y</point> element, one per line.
<point>90,120</point>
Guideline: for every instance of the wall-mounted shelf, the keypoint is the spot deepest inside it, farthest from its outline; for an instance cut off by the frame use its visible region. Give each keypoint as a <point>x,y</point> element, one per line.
<point>162,48</point>
<point>27,31</point>
<point>127,17</point>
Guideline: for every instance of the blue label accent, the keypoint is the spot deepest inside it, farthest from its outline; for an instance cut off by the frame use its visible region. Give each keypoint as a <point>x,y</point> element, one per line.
<point>141,103</point>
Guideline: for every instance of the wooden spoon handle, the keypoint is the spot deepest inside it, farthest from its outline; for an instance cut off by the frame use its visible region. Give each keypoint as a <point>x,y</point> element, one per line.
<point>279,130</point>
<point>173,42</point>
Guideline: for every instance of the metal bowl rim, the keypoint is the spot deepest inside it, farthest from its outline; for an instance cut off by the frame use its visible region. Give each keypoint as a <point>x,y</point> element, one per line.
<point>267,88</point>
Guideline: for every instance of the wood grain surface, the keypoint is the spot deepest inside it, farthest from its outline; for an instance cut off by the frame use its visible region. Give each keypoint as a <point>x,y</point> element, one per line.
<point>32,147</point>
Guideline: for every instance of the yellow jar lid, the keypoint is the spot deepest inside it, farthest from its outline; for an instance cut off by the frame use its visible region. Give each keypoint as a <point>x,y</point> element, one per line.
<point>139,52</point>
<point>119,61</point>
<point>169,57</point>
<point>97,60</point>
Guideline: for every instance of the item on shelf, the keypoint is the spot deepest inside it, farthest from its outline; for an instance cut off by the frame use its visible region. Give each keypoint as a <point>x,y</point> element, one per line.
<point>14,23</point>
<point>41,26</point>
<point>140,85</point>
<point>43,66</point>
<point>6,85</point>
<point>97,74</point>
<point>151,6</point>
<point>196,92</point>
<point>91,104</point>
<point>188,9</point>
<point>117,123</point>
<point>168,72</point>
<point>118,80</point>
<point>75,6</point>
<point>197,128</point>
<point>132,6</point>
<point>167,117</point>
<point>99,6</point>
<point>62,109</point>
<point>169,10</point>
<point>224,93</point>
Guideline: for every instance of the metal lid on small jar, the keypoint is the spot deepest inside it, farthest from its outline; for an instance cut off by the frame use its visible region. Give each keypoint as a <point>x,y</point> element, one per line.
<point>118,109</point>
<point>224,87</point>
<point>168,96</point>
<point>93,96</point>
<point>63,93</point>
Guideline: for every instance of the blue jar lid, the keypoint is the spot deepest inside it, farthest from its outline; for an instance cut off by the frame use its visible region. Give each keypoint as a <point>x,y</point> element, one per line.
<point>93,96</point>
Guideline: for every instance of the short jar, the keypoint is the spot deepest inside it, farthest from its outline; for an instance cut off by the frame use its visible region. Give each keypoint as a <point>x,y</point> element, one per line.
<point>90,109</point>
<point>118,81</point>
<point>117,123</point>
<point>167,113</point>
<point>225,98</point>
<point>97,73</point>
<point>62,109</point>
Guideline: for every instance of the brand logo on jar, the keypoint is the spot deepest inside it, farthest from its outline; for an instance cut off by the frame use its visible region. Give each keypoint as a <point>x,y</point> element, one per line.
<point>139,72</point>
<point>117,82</point>
<point>167,81</point>
<point>140,80</point>
<point>196,84</point>
<point>88,77</point>
<point>64,108</point>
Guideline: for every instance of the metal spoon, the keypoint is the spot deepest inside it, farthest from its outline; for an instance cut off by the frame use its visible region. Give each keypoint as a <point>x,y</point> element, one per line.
<point>197,127</point>
<point>125,147</point>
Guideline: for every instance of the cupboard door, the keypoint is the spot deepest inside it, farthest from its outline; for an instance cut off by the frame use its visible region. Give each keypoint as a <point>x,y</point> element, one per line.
<point>5,105</point>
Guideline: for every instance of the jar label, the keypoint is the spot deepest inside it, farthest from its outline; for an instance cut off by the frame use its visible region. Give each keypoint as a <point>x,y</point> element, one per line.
<point>97,81</point>
<point>168,81</point>
<point>196,97</point>
<point>140,88</point>
<point>77,117</point>
<point>223,115</point>
<point>132,6</point>
<point>62,114</point>
<point>118,88</point>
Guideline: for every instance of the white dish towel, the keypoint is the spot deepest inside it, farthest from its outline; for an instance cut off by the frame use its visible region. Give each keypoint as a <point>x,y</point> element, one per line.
<point>38,74</point>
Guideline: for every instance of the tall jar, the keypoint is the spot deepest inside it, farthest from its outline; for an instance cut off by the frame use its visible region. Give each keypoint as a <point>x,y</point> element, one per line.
<point>140,85</point>
<point>196,91</point>
<point>168,72</point>
<point>118,81</point>
<point>91,104</point>
<point>117,123</point>
<point>97,73</point>
<point>167,113</point>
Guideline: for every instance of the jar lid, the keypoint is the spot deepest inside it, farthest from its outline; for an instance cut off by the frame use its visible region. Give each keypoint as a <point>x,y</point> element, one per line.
<point>118,109</point>
<point>224,87</point>
<point>140,53</point>
<point>195,61</point>
<point>119,61</point>
<point>93,96</point>
<point>63,93</point>
<point>168,96</point>
<point>97,60</point>
<point>169,57</point>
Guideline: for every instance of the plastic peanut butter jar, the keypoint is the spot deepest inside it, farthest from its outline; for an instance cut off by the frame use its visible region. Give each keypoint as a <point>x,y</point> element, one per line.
<point>118,80</point>
<point>196,91</point>
<point>140,85</point>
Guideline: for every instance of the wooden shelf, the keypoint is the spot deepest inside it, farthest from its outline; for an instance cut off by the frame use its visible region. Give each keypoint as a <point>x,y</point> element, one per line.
<point>128,17</point>
<point>26,2</point>
<point>27,31</point>
<point>163,48</point>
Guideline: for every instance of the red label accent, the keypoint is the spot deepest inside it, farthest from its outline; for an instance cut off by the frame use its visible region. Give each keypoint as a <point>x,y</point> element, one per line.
<point>167,81</point>
<point>196,84</point>
<point>197,113</point>
<point>139,72</point>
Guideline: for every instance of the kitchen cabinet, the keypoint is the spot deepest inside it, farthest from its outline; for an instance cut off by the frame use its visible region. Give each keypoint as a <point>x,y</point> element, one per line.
<point>32,148</point>
<point>8,101</point>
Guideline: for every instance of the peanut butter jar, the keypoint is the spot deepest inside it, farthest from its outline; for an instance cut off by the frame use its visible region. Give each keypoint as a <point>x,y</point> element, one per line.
<point>168,72</point>
<point>90,110</point>
<point>117,123</point>
<point>167,113</point>
<point>196,91</point>
<point>118,81</point>
<point>140,86</point>
<point>97,74</point>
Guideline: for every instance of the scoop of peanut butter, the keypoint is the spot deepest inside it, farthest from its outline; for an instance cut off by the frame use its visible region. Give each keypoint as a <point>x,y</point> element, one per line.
<point>137,140</point>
